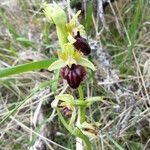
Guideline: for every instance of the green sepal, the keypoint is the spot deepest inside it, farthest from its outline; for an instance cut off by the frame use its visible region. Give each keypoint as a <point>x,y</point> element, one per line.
<point>85,62</point>
<point>56,65</point>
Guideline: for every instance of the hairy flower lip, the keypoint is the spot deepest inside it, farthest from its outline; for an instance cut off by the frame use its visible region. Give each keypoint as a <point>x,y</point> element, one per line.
<point>74,75</point>
<point>81,44</point>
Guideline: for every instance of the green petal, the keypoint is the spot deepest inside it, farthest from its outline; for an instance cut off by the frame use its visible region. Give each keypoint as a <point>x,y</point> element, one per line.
<point>85,62</point>
<point>56,65</point>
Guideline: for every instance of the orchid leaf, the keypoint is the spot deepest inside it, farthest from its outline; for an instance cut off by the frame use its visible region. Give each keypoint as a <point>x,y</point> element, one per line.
<point>27,67</point>
<point>76,132</point>
<point>68,127</point>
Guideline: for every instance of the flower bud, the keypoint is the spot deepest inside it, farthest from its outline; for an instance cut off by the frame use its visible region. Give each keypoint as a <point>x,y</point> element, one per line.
<point>73,75</point>
<point>67,112</point>
<point>81,44</point>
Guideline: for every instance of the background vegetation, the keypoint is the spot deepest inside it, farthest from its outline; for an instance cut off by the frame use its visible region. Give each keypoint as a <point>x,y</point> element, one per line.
<point>121,53</point>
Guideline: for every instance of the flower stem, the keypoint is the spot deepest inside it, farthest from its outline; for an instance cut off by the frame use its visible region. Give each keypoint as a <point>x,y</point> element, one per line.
<point>80,120</point>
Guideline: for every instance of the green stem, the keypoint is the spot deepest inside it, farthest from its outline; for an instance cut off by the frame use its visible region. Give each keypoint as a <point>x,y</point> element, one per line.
<point>76,132</point>
<point>82,114</point>
<point>81,108</point>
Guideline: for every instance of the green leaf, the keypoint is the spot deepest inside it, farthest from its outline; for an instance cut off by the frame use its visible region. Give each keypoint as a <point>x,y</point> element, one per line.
<point>26,42</point>
<point>68,127</point>
<point>76,132</point>
<point>88,20</point>
<point>85,62</point>
<point>42,64</point>
<point>55,84</point>
<point>115,143</point>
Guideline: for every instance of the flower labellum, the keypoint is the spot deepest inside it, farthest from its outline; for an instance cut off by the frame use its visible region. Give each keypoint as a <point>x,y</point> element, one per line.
<point>81,44</point>
<point>73,75</point>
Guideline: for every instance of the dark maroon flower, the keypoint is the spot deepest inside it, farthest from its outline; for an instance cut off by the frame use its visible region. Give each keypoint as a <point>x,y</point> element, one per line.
<point>73,75</point>
<point>67,112</point>
<point>81,44</point>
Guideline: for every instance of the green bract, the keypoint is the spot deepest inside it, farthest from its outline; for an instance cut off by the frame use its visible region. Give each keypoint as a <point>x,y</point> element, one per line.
<point>55,14</point>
